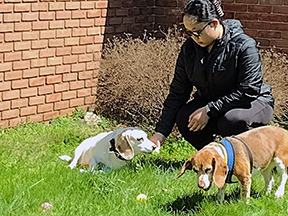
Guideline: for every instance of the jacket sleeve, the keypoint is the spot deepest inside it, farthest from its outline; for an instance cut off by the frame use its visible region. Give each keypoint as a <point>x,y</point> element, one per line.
<point>180,90</point>
<point>249,81</point>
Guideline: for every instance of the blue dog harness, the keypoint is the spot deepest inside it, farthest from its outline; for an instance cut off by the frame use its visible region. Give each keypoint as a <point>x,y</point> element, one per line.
<point>231,157</point>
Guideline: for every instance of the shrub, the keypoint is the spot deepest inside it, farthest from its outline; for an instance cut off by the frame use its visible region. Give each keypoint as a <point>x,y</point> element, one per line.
<point>135,75</point>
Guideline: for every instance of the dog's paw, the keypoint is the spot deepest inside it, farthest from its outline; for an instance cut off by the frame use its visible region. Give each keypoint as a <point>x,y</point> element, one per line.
<point>65,157</point>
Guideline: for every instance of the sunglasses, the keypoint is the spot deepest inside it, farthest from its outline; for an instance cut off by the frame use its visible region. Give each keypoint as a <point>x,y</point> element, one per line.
<point>198,32</point>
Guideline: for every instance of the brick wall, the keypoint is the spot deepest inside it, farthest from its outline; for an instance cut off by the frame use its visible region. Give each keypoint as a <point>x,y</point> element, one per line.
<point>49,51</point>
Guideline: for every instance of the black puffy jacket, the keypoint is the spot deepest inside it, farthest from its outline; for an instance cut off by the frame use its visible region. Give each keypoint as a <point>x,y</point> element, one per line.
<point>228,77</point>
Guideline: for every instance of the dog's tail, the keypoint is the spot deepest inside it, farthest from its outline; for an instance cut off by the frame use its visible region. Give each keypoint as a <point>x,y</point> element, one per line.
<point>65,157</point>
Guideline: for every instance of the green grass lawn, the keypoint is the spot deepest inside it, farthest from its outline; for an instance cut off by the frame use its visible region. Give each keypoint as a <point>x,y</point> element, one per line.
<point>32,173</point>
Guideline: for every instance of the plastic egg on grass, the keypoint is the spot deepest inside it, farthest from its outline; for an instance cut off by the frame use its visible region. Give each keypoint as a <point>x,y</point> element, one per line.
<point>141,197</point>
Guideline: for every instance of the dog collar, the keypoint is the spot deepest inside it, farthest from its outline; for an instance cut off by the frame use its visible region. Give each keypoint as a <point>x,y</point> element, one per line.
<point>230,159</point>
<point>113,149</point>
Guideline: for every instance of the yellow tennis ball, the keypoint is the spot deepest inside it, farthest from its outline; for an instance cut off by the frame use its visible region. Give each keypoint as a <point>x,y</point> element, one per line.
<point>141,197</point>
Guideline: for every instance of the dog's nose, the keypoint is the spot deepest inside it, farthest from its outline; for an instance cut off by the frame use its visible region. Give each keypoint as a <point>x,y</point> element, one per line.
<point>201,185</point>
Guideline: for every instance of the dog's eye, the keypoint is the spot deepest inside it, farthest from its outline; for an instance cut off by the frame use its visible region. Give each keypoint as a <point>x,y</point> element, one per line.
<point>207,170</point>
<point>140,139</point>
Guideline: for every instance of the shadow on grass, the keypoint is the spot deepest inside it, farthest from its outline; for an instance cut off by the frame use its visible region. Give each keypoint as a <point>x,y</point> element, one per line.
<point>193,203</point>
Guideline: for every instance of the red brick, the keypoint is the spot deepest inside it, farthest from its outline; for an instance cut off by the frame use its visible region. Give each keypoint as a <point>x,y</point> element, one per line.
<point>50,115</point>
<point>78,67</point>
<point>14,56</point>
<point>4,105</point>
<point>94,31</point>
<point>44,90</point>
<point>56,42</point>
<point>47,16</point>
<point>76,85</point>
<point>87,5</point>
<point>20,84</point>
<point>63,51</point>
<point>23,26</point>
<point>39,81</point>
<point>21,65</point>
<point>56,6</point>
<point>22,45</point>
<point>268,2</point>
<point>66,112</point>
<point>10,114</point>
<point>259,8</point>
<point>54,79</point>
<point>269,34</point>
<point>76,102</point>
<point>58,24</point>
<point>13,75</point>
<point>38,63</point>
<point>22,7</point>
<point>10,37</point>
<point>86,75</point>
<point>4,124</point>
<point>49,52</point>
<point>72,23</point>
<point>63,69</point>
<point>19,103</point>
<point>39,44</point>
<point>270,18</point>
<point>69,77</point>
<point>92,65</point>
<point>6,8</point>
<point>6,47</point>
<point>40,6</point>
<point>80,14</point>
<point>6,27</point>
<point>47,34</point>
<point>86,58</point>
<point>94,13</point>
<point>31,110</point>
<point>91,83</point>
<point>13,17</point>
<point>99,40</point>
<point>35,118</point>
<point>86,40</point>
<point>84,92</point>
<point>9,95</point>
<point>16,121</point>
<point>53,97</point>
<point>79,32</point>
<point>36,100</point>
<point>54,61</point>
<point>61,105</point>
<point>45,108</point>
<point>90,100</point>
<point>280,9</point>
<point>47,71</point>
<point>30,36</point>
<point>61,87</point>
<point>104,12</point>
<point>71,41</point>
<point>86,22</point>
<point>78,50</point>
<point>63,33</point>
<point>30,54</point>
<point>30,73</point>
<point>72,5</point>
<point>28,92</point>
<point>68,95</point>
<point>63,15</point>
<point>70,59</point>
<point>40,25</point>
<point>31,16</point>
<point>102,4</point>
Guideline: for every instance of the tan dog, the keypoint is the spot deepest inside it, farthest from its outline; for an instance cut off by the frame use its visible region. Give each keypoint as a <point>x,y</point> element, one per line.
<point>269,148</point>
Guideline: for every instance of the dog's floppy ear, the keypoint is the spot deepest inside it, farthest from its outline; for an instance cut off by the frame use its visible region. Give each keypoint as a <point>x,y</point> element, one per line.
<point>124,147</point>
<point>220,171</point>
<point>187,166</point>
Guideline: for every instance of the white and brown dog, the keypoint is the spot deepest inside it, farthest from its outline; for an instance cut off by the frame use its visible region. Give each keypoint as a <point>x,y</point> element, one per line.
<point>113,149</point>
<point>260,149</point>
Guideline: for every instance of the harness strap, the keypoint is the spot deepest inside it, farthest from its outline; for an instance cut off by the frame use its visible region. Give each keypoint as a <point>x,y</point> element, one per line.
<point>249,152</point>
<point>113,149</point>
<point>231,159</point>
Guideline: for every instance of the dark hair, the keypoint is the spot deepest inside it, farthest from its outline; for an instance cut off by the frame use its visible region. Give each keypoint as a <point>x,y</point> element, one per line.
<point>204,10</point>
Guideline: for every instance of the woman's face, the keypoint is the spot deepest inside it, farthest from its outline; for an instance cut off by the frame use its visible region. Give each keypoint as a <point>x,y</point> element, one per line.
<point>208,34</point>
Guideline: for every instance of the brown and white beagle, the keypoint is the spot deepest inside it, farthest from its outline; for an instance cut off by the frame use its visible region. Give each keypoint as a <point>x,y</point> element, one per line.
<point>268,148</point>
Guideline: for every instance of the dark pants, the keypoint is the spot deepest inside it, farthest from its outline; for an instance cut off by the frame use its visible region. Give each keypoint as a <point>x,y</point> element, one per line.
<point>235,121</point>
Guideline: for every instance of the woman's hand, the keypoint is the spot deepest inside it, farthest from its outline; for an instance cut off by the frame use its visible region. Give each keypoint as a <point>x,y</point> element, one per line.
<point>158,139</point>
<point>198,119</point>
